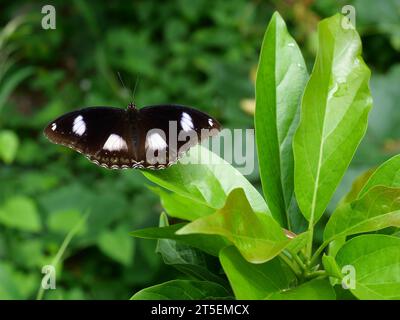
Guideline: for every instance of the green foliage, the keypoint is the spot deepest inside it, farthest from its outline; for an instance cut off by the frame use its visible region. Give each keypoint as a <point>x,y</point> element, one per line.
<point>63,221</point>
<point>331,267</point>
<point>181,207</point>
<point>255,281</point>
<point>379,208</point>
<point>20,213</point>
<point>386,175</point>
<point>333,120</point>
<point>281,77</point>
<point>206,184</point>
<point>376,261</point>
<point>186,259</point>
<point>183,290</point>
<point>211,244</point>
<point>327,116</point>
<point>117,245</point>
<point>257,236</point>
<point>317,289</point>
<point>8,146</point>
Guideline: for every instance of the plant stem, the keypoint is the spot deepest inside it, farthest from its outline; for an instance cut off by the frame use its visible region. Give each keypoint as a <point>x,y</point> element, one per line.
<point>299,261</point>
<point>310,240</point>
<point>316,274</point>
<point>62,249</point>
<point>291,265</point>
<point>318,252</point>
<point>288,220</point>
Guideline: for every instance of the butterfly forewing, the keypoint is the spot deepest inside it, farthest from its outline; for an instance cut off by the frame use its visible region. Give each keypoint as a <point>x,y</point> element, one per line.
<point>100,133</point>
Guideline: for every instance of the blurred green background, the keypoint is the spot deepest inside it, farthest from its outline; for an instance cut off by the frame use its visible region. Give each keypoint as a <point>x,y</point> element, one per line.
<point>201,53</point>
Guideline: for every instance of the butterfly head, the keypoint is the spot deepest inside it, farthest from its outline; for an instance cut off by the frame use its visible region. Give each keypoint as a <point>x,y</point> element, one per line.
<point>131,107</point>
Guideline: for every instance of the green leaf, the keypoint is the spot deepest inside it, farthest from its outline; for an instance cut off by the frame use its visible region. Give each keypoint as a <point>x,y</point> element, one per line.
<point>183,290</point>
<point>63,221</point>
<point>334,114</point>
<point>186,259</point>
<point>298,242</point>
<point>8,146</point>
<point>317,289</point>
<point>376,261</point>
<point>257,236</point>
<point>335,245</point>
<point>210,244</point>
<point>20,212</point>
<point>182,207</point>
<point>331,267</point>
<point>117,245</point>
<point>254,281</point>
<point>206,184</point>
<point>377,209</point>
<point>388,174</point>
<point>356,187</point>
<point>281,78</point>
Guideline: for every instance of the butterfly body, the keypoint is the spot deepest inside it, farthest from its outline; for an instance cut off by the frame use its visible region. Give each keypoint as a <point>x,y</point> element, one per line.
<point>115,138</point>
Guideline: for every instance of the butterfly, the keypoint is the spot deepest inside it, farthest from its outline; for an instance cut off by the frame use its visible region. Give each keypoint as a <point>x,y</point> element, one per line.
<point>152,137</point>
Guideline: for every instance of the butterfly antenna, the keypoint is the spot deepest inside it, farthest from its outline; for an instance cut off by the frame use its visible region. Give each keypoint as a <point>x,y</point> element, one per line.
<point>134,89</point>
<point>120,79</point>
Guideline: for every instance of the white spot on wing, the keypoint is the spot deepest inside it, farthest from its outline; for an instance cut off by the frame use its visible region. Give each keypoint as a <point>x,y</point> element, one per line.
<point>79,126</point>
<point>155,142</point>
<point>53,127</point>
<point>115,143</point>
<point>186,122</point>
<point>210,122</point>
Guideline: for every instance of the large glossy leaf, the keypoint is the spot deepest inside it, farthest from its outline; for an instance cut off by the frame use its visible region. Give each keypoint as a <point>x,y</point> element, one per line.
<point>207,184</point>
<point>182,207</point>
<point>183,290</point>
<point>257,236</point>
<point>318,289</point>
<point>376,261</point>
<point>187,259</point>
<point>254,281</point>
<point>281,78</point>
<point>334,114</point>
<point>377,209</point>
<point>388,174</point>
<point>210,244</point>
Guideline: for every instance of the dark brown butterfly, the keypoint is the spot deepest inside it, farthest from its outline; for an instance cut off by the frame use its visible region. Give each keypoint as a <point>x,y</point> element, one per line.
<point>153,137</point>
